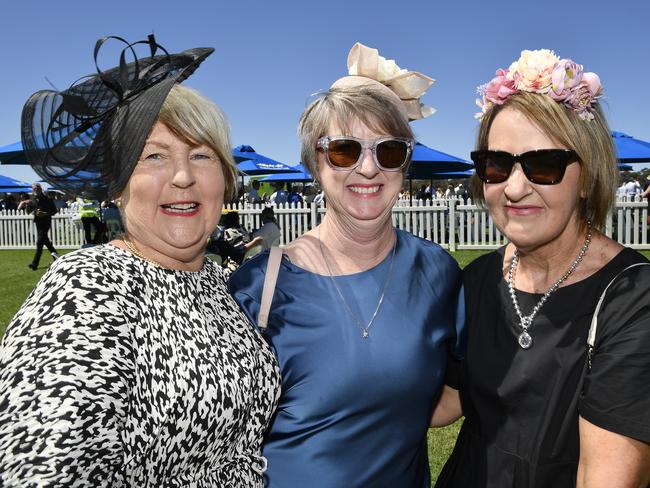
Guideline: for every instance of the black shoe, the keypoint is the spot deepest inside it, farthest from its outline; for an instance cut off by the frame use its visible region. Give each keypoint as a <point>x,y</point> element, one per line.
<point>32,266</point>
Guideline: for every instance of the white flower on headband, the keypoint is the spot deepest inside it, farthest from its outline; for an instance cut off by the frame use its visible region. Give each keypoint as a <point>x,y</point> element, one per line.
<point>387,69</point>
<point>533,70</point>
<point>407,85</point>
<point>542,71</point>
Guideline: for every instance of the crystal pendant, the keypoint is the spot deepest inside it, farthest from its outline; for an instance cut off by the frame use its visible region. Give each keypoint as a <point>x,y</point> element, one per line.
<point>365,333</point>
<point>525,340</point>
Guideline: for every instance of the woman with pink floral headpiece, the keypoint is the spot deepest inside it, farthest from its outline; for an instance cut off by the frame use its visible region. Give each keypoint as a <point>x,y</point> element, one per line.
<point>555,385</point>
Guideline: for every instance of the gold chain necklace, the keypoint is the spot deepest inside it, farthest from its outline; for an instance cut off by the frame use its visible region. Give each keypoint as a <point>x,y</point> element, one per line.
<point>131,246</point>
<point>365,331</point>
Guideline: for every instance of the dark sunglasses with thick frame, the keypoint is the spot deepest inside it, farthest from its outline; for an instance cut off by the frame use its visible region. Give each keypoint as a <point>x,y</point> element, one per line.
<point>344,153</point>
<point>542,167</point>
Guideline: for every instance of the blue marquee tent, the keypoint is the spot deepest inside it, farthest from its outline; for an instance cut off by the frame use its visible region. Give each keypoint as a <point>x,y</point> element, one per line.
<point>11,185</point>
<point>427,162</point>
<point>301,174</point>
<point>630,149</point>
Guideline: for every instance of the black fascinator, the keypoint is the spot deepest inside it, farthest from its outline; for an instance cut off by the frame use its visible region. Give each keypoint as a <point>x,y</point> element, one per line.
<point>88,138</point>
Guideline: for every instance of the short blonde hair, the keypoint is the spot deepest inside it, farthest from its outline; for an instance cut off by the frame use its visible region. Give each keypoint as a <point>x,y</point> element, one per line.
<point>590,139</point>
<point>376,109</point>
<point>191,116</point>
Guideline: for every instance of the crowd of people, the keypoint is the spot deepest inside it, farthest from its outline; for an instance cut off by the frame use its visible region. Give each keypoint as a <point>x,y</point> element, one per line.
<point>323,363</point>
<point>281,193</point>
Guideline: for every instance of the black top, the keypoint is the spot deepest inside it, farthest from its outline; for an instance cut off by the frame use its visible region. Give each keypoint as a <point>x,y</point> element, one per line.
<point>43,203</point>
<point>522,406</point>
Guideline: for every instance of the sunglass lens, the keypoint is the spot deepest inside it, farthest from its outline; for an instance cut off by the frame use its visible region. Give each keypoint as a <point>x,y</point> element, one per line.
<point>491,166</point>
<point>392,154</point>
<point>344,152</point>
<point>546,167</point>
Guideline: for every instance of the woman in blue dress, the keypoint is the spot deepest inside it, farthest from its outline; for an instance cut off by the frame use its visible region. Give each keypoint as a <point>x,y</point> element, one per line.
<point>364,317</point>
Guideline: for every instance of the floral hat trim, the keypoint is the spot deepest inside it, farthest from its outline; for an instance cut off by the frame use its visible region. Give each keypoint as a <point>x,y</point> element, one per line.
<point>542,71</point>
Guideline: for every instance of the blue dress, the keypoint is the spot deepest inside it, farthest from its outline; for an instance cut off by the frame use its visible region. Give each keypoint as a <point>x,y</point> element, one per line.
<point>354,412</point>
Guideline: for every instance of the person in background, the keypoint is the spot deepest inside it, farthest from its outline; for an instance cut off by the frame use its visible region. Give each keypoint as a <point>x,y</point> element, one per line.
<point>632,188</point>
<point>25,203</point>
<point>542,409</point>
<point>365,317</point>
<point>449,192</point>
<point>88,209</point>
<point>254,195</point>
<point>9,203</point>
<point>231,253</point>
<point>280,195</point>
<point>57,199</point>
<point>294,196</point>
<point>320,198</point>
<point>43,209</point>
<point>130,365</point>
<point>269,231</point>
<point>233,230</point>
<point>310,193</point>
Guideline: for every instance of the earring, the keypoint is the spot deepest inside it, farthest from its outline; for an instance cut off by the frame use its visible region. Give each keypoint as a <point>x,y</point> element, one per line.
<point>118,203</point>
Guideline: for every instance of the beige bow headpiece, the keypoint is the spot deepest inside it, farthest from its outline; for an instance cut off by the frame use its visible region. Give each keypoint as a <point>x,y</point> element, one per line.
<point>408,86</point>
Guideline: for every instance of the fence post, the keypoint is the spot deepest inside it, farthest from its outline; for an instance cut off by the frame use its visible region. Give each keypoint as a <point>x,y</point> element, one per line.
<point>313,212</point>
<point>452,224</point>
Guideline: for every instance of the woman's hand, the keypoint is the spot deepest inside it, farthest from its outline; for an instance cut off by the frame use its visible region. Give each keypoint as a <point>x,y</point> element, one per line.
<point>448,409</point>
<point>611,460</point>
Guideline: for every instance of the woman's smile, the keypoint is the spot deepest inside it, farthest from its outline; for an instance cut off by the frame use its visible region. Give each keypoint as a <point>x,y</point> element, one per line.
<point>181,209</point>
<point>365,191</point>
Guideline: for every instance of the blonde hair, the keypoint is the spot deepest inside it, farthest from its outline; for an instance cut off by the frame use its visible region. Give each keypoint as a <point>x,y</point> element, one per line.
<point>590,139</point>
<point>377,110</point>
<point>191,116</point>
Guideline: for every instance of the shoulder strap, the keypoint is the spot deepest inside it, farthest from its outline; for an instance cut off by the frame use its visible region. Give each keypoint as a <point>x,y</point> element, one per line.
<point>591,338</point>
<point>272,269</point>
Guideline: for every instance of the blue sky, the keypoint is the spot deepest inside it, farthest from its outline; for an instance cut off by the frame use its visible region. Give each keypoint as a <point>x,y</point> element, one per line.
<point>271,55</point>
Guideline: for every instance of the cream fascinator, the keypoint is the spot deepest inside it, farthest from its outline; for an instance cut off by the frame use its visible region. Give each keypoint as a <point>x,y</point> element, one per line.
<point>367,67</point>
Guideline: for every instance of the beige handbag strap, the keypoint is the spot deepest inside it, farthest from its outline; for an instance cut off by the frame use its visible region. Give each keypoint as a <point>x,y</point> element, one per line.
<point>272,270</point>
<point>591,338</point>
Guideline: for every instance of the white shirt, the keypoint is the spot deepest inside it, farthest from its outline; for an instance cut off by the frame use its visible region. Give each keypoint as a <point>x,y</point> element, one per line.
<point>270,232</point>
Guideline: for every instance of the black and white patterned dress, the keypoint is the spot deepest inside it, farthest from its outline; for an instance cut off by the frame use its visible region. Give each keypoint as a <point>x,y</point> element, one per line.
<point>116,372</point>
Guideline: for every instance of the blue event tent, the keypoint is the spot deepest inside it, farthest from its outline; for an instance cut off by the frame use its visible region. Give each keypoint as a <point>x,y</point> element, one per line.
<point>427,162</point>
<point>629,149</point>
<point>12,154</point>
<point>301,174</point>
<point>11,185</point>
<point>253,163</point>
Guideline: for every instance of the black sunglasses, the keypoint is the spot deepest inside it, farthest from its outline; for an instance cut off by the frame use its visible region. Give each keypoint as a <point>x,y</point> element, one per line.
<point>344,153</point>
<point>543,166</point>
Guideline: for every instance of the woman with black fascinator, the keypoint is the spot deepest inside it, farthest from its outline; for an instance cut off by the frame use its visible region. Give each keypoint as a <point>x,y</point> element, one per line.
<point>130,364</point>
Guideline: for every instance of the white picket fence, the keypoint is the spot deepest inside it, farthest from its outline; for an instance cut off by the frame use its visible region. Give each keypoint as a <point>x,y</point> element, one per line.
<point>449,222</point>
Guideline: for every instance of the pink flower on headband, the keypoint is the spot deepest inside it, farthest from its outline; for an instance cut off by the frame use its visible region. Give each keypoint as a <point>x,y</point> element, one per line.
<point>499,88</point>
<point>580,100</point>
<point>542,72</point>
<point>566,75</point>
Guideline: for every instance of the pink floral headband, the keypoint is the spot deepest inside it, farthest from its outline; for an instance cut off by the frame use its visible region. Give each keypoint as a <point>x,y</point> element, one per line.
<point>542,71</point>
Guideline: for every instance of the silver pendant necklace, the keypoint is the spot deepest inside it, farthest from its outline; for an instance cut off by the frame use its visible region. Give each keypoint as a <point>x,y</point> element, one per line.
<point>365,330</point>
<point>525,339</point>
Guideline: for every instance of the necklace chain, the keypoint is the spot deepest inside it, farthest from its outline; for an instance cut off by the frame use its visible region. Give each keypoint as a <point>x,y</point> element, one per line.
<point>525,322</point>
<point>131,246</point>
<point>365,331</point>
